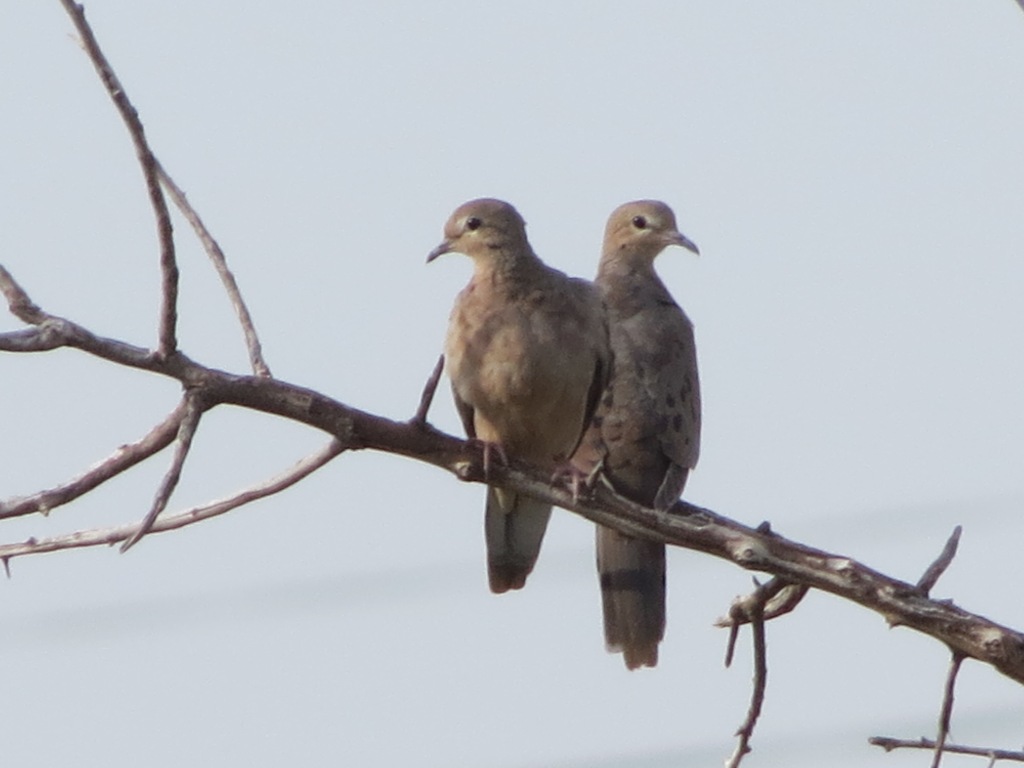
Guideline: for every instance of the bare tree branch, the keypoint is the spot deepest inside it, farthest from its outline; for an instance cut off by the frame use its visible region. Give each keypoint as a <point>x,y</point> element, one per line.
<point>220,263</point>
<point>183,443</point>
<point>936,569</point>
<point>125,456</point>
<point>685,525</point>
<point>108,536</point>
<point>168,342</point>
<point>889,744</point>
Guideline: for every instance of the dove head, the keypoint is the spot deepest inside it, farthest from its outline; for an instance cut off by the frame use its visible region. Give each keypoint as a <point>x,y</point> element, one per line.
<point>639,231</point>
<point>484,229</point>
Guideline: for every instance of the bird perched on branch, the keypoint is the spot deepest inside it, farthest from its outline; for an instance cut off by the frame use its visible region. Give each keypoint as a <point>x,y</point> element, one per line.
<point>528,357</point>
<point>645,437</point>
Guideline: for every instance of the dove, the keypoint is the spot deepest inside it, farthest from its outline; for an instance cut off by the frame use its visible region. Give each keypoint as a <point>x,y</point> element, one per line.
<point>645,436</point>
<point>528,357</point>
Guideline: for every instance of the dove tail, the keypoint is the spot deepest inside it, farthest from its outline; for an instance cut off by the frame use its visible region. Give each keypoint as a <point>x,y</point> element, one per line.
<point>632,574</point>
<point>514,527</point>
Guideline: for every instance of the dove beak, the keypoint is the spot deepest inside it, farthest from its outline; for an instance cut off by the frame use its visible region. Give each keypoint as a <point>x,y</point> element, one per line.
<point>443,248</point>
<point>678,238</point>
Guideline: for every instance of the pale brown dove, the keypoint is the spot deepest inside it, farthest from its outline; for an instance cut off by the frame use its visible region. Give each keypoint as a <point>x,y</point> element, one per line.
<point>645,436</point>
<point>528,357</point>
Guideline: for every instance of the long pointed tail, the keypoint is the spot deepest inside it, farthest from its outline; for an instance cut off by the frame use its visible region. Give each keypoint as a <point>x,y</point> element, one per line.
<point>514,526</point>
<point>632,574</point>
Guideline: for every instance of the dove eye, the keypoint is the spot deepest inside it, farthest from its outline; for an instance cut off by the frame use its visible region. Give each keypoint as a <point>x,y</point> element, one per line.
<point>639,222</point>
<point>473,223</point>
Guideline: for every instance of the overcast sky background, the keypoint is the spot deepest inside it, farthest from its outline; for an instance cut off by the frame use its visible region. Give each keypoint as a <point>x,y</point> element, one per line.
<point>854,176</point>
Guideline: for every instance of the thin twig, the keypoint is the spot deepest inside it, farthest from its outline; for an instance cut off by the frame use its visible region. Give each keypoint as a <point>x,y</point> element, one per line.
<point>183,443</point>
<point>18,301</point>
<point>946,712</point>
<point>108,536</point>
<point>216,255</point>
<point>889,743</point>
<point>420,417</point>
<point>746,730</point>
<point>125,456</point>
<point>936,569</point>
<point>168,342</point>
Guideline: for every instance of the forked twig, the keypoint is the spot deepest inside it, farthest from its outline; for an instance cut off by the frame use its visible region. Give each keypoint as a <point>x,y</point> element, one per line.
<point>154,441</point>
<point>220,263</point>
<point>186,431</point>
<point>746,730</point>
<point>113,535</point>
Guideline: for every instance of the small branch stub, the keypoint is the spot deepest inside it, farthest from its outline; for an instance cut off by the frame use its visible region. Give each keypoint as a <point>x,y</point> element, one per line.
<point>942,562</point>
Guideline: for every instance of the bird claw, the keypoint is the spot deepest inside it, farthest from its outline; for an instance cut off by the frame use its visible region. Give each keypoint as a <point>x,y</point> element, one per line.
<point>574,478</point>
<point>489,449</point>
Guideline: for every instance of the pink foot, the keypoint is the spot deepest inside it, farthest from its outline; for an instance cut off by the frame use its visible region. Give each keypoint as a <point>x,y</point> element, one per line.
<point>490,449</point>
<point>574,478</point>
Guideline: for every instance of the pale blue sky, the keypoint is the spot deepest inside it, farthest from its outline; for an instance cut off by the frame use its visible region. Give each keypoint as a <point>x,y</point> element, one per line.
<point>853,176</point>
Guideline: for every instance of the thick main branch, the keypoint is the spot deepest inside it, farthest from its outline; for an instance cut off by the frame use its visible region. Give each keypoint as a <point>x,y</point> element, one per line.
<point>686,525</point>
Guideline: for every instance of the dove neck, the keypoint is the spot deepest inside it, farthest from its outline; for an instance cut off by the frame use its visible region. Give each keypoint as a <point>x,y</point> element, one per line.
<point>624,266</point>
<point>622,279</point>
<point>508,270</point>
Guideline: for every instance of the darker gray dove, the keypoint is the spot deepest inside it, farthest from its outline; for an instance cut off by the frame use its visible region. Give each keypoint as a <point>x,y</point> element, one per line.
<point>645,437</point>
